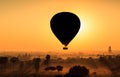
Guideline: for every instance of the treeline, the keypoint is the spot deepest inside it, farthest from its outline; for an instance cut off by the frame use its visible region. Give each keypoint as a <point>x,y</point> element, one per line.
<point>10,66</point>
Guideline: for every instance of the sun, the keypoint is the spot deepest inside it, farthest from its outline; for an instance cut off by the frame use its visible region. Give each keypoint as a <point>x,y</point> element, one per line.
<point>86,29</point>
<point>82,27</point>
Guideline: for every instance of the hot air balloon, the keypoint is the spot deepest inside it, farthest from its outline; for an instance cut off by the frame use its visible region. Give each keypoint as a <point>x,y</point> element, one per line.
<point>65,25</point>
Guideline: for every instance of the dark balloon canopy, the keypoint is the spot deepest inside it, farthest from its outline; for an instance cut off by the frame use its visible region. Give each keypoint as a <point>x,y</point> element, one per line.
<point>65,26</point>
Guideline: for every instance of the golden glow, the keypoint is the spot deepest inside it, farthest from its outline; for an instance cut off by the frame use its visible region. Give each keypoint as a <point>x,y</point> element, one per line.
<point>25,25</point>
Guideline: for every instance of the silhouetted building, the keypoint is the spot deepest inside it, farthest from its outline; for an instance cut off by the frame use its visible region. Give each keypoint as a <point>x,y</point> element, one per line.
<point>109,49</point>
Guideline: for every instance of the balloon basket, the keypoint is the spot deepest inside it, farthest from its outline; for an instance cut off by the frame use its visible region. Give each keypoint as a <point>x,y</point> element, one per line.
<point>65,48</point>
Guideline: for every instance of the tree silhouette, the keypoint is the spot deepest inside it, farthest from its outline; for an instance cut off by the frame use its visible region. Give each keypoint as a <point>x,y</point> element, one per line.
<point>36,62</point>
<point>14,60</point>
<point>77,71</point>
<point>47,57</point>
<point>59,68</point>
<point>113,64</point>
<point>52,68</point>
<point>3,62</point>
<point>47,60</point>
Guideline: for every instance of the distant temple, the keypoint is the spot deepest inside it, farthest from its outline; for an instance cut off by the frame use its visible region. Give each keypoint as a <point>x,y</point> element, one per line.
<point>109,49</point>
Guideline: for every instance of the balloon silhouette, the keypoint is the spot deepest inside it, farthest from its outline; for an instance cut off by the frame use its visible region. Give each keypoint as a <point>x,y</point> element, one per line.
<point>65,26</point>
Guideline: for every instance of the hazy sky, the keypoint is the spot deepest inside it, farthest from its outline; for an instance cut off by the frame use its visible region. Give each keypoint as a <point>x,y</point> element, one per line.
<point>25,25</point>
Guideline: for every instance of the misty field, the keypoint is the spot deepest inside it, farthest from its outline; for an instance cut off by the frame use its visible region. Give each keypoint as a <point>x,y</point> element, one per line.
<point>35,66</point>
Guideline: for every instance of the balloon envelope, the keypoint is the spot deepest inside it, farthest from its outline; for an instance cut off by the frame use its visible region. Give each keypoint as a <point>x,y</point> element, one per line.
<point>65,26</point>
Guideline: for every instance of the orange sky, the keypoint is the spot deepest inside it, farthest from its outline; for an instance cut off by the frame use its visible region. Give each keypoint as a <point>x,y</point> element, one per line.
<point>25,25</point>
